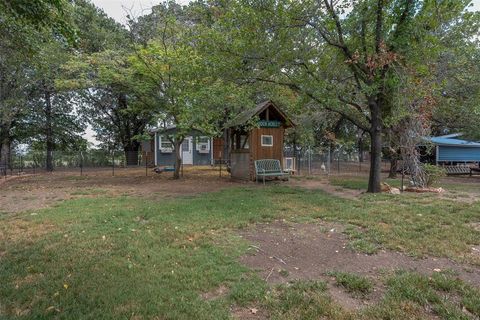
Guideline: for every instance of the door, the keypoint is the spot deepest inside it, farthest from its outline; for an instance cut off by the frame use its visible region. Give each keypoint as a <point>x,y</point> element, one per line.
<point>187,154</point>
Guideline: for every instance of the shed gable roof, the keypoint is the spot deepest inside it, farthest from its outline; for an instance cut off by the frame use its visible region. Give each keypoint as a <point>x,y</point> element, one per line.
<point>246,115</point>
<point>449,140</point>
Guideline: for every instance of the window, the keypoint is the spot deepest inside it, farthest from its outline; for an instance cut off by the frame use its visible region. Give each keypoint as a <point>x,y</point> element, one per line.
<point>244,142</point>
<point>240,140</point>
<point>203,144</point>
<point>165,145</point>
<point>267,141</point>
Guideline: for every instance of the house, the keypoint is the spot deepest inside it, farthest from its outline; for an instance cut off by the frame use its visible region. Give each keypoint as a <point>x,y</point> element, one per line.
<point>449,149</point>
<point>196,148</point>
<point>257,134</point>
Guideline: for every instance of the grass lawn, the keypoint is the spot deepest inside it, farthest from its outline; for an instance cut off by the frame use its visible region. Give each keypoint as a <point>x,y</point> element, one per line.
<point>361,183</point>
<point>129,258</point>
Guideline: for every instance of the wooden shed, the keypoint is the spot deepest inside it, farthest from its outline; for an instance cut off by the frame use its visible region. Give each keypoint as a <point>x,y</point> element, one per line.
<point>256,134</point>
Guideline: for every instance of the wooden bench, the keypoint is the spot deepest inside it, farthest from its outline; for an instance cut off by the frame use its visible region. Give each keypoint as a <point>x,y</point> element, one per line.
<point>269,168</point>
<point>164,169</point>
<point>474,171</point>
<point>457,170</point>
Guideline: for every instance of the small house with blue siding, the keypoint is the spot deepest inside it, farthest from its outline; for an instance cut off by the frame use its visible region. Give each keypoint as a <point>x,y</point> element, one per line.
<point>450,149</point>
<point>196,148</point>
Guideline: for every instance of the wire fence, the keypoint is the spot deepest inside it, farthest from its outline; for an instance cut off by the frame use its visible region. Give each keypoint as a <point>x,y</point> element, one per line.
<point>331,162</point>
<point>82,161</point>
<point>304,162</point>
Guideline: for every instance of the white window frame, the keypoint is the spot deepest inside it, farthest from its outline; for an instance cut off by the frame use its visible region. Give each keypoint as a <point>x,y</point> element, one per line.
<point>266,135</point>
<point>205,144</point>
<point>164,139</point>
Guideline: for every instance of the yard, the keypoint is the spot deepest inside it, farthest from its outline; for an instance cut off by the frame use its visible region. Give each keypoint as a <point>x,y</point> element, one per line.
<point>204,247</point>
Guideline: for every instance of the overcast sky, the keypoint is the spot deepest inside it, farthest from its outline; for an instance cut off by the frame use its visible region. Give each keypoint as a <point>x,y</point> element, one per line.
<point>118,9</point>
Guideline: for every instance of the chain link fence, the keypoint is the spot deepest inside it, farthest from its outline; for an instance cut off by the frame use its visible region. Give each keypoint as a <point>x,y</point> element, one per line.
<point>331,162</point>
<point>306,161</point>
<point>18,163</point>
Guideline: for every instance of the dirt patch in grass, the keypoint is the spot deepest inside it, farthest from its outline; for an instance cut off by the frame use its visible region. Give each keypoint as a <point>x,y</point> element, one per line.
<point>310,251</point>
<point>24,230</point>
<point>30,192</point>
<point>216,293</point>
<point>324,184</point>
<point>248,313</point>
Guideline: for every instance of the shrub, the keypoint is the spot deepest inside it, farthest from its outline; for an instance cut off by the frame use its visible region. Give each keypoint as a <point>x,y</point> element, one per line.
<point>433,174</point>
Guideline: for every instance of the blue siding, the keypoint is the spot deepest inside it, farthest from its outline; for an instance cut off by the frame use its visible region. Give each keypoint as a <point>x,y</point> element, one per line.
<point>168,159</point>
<point>458,154</point>
<point>165,159</point>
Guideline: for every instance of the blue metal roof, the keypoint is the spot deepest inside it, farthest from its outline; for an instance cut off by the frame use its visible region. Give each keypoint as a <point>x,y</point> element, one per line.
<point>449,140</point>
<point>454,142</point>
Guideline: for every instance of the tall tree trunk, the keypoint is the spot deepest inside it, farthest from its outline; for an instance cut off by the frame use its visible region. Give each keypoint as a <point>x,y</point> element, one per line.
<point>131,150</point>
<point>49,130</point>
<point>392,174</point>
<point>5,153</point>
<point>178,159</point>
<point>375,178</point>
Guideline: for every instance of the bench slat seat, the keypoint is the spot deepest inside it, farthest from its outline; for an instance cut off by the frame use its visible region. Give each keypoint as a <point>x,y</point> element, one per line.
<point>269,168</point>
<point>457,170</point>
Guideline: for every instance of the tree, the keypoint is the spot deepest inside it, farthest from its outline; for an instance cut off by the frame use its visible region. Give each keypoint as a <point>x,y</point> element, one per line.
<point>345,56</point>
<point>99,75</point>
<point>174,77</point>
<point>52,116</point>
<point>23,28</point>
<point>457,77</point>
<point>106,101</point>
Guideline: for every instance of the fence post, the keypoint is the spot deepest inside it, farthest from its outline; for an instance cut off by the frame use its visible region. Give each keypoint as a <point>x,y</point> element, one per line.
<point>309,161</point>
<point>81,163</point>
<point>338,162</point>
<point>113,163</point>
<point>221,160</point>
<point>329,160</point>
<point>146,165</point>
<point>403,176</point>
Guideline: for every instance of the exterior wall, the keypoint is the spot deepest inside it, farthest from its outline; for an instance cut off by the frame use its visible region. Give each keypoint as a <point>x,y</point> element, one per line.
<point>240,164</point>
<point>149,154</point>
<point>257,151</point>
<point>201,159</point>
<point>458,154</point>
<point>218,149</point>
<point>168,159</point>
<point>243,161</point>
<point>163,158</point>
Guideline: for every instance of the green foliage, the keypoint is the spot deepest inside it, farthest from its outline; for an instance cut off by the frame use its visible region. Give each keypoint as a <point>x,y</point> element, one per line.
<point>48,14</point>
<point>433,173</point>
<point>368,61</point>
